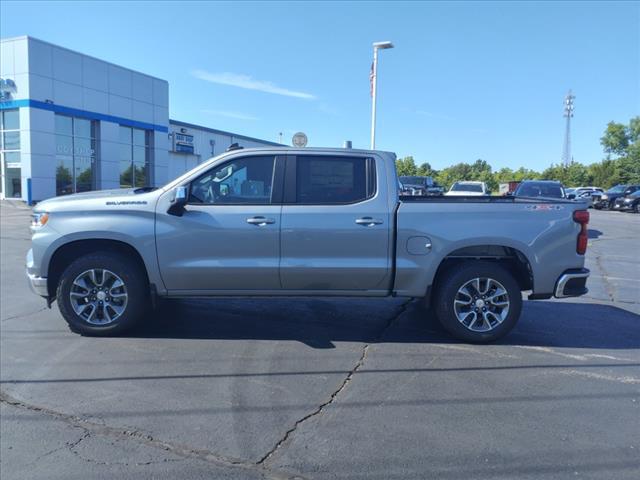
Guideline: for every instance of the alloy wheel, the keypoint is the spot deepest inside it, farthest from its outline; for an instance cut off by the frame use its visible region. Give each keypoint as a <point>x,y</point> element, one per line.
<point>98,296</point>
<point>481,304</point>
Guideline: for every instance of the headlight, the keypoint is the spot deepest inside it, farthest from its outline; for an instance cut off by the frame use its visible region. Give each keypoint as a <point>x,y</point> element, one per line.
<point>604,196</point>
<point>628,200</point>
<point>39,219</point>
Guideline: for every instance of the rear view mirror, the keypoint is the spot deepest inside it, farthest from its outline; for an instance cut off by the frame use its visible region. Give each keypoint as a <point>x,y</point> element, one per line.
<point>178,201</point>
<point>571,196</point>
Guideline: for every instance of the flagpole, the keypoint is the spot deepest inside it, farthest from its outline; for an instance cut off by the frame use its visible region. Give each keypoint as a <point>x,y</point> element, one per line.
<point>374,88</point>
<point>374,91</point>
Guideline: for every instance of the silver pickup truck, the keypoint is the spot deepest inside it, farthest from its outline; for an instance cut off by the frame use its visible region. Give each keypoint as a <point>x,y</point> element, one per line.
<point>303,222</point>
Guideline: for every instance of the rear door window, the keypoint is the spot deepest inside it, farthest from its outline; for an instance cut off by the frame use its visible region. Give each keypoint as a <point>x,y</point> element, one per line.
<point>322,180</point>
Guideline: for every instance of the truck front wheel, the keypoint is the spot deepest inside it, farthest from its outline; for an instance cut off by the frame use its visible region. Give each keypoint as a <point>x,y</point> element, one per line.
<point>102,294</point>
<point>477,302</point>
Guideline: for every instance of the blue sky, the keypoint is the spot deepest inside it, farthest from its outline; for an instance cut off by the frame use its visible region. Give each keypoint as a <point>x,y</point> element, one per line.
<point>465,81</point>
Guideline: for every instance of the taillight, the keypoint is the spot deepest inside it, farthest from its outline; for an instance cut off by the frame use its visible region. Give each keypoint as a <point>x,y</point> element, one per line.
<point>582,217</point>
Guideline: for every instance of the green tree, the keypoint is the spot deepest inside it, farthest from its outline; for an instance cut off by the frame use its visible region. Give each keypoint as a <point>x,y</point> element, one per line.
<point>425,170</point>
<point>615,139</point>
<point>623,141</point>
<point>406,166</point>
<point>603,174</point>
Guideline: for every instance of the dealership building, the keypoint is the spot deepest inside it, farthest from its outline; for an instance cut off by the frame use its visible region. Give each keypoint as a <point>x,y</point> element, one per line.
<point>73,123</point>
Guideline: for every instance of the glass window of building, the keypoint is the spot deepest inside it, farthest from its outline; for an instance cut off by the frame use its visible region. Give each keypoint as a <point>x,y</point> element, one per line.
<point>134,157</point>
<point>10,166</point>
<point>75,154</point>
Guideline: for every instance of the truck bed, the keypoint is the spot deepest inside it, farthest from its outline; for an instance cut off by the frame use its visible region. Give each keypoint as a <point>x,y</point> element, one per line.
<point>481,199</point>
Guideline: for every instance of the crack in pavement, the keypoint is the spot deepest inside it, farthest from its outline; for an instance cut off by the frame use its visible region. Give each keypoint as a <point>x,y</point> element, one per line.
<point>334,395</point>
<point>184,451</point>
<point>91,427</point>
<point>24,314</point>
<point>607,286</point>
<point>71,448</point>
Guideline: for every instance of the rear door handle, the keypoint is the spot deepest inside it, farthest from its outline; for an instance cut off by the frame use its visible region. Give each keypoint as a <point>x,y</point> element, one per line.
<point>260,221</point>
<point>368,221</point>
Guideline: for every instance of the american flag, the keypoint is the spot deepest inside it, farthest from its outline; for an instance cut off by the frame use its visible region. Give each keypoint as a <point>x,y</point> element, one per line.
<point>372,75</point>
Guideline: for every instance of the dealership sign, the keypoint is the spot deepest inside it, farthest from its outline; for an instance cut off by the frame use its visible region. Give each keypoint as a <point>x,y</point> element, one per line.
<point>182,143</point>
<point>7,89</point>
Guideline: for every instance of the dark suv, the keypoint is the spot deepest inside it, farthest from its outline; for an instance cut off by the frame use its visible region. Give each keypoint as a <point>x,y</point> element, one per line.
<point>540,188</point>
<point>630,203</point>
<point>608,198</point>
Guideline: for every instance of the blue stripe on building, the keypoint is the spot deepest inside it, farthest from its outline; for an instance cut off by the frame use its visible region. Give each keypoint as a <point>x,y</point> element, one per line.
<point>75,112</point>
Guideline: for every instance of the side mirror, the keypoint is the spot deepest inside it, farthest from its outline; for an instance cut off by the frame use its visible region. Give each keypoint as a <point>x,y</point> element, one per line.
<point>178,201</point>
<point>571,196</point>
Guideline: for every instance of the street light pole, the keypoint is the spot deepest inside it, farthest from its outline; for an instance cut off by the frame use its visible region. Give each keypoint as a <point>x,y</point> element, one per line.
<point>374,87</point>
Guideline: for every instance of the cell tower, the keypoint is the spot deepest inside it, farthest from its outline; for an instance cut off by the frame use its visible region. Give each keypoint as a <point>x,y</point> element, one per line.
<point>568,114</point>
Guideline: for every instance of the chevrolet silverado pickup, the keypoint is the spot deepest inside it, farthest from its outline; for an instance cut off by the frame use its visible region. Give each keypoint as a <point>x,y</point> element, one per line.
<point>303,222</point>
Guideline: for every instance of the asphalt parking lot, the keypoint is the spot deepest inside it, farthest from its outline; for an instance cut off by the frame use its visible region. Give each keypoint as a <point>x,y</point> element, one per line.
<point>325,388</point>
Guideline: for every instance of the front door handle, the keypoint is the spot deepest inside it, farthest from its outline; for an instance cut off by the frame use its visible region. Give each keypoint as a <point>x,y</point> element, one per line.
<point>368,221</point>
<point>260,221</point>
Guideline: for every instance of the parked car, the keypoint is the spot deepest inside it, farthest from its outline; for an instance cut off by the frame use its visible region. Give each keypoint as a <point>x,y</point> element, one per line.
<point>540,188</point>
<point>630,203</point>
<point>420,186</point>
<point>586,194</point>
<point>308,222</point>
<point>608,198</point>
<point>507,188</point>
<point>469,188</point>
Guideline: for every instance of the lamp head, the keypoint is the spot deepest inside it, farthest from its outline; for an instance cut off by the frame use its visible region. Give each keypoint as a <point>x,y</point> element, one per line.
<point>382,45</point>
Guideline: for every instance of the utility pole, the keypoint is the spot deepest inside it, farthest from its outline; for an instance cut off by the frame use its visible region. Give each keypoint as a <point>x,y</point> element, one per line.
<point>568,114</point>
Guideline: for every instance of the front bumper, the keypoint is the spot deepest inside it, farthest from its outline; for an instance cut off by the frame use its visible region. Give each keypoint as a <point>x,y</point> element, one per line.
<point>38,285</point>
<point>623,206</point>
<point>572,283</point>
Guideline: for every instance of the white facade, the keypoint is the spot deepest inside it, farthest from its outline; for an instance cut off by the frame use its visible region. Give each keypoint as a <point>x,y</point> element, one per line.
<point>86,124</point>
<point>206,143</point>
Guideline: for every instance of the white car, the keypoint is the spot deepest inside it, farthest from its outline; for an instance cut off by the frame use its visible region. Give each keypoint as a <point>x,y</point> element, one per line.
<point>474,189</point>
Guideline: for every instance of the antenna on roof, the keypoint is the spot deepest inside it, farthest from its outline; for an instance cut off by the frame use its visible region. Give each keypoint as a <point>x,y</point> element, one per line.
<point>234,146</point>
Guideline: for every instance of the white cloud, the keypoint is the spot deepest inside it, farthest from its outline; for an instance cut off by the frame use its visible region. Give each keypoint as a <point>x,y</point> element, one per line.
<point>228,114</point>
<point>246,82</point>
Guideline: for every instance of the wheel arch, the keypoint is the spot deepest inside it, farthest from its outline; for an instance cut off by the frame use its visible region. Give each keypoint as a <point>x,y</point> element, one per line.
<point>68,252</point>
<point>509,257</point>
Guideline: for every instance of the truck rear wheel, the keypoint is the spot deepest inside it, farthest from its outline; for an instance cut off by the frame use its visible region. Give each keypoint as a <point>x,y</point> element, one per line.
<point>477,302</point>
<point>102,294</point>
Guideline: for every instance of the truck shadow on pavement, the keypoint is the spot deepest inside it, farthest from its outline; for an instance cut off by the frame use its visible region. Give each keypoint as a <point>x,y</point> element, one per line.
<point>320,322</point>
<point>593,233</point>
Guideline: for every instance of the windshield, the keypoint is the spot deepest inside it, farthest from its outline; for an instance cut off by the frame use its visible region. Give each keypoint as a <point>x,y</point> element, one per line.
<point>412,180</point>
<point>553,190</point>
<point>467,187</point>
<point>617,189</point>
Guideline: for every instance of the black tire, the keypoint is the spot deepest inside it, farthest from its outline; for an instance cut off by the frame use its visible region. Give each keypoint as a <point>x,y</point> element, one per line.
<point>454,279</point>
<point>637,209</point>
<point>610,205</point>
<point>134,279</point>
